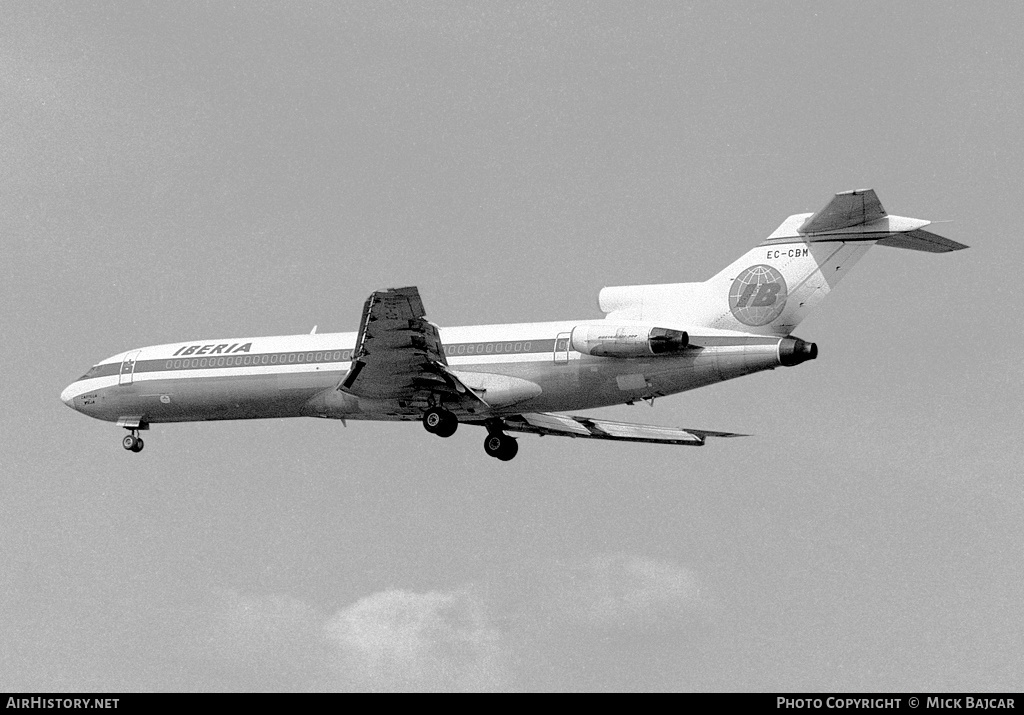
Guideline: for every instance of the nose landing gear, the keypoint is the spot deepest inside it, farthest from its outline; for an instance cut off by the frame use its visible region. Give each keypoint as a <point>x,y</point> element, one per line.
<point>133,423</point>
<point>132,442</point>
<point>440,421</point>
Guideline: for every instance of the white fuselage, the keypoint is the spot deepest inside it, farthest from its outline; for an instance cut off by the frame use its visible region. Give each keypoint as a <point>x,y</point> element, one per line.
<point>297,375</point>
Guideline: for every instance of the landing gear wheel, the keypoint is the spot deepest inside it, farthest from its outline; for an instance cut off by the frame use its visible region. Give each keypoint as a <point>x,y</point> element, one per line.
<point>501,446</point>
<point>132,443</point>
<point>440,421</point>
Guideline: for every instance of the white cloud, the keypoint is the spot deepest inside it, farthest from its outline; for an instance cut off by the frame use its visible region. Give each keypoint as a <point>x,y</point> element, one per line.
<point>448,640</point>
<point>436,641</point>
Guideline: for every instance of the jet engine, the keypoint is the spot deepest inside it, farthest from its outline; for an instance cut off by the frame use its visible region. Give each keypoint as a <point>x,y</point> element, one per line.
<point>625,341</point>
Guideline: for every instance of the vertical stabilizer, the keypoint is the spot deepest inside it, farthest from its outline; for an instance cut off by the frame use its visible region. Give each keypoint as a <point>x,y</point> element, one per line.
<point>774,286</point>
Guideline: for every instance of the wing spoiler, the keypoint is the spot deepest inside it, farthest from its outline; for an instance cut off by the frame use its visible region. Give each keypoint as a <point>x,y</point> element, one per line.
<point>399,354</point>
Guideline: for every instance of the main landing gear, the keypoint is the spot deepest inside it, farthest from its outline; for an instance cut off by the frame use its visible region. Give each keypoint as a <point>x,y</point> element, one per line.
<point>500,446</point>
<point>440,421</point>
<point>443,423</point>
<point>132,442</point>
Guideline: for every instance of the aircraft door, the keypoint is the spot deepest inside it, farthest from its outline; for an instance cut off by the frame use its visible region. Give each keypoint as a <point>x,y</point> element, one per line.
<point>561,351</point>
<point>128,368</point>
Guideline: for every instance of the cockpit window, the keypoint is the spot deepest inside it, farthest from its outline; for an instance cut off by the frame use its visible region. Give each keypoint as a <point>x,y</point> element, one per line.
<point>92,372</point>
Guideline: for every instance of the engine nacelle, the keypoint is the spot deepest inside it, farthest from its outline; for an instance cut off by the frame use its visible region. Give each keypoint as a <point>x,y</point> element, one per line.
<point>625,341</point>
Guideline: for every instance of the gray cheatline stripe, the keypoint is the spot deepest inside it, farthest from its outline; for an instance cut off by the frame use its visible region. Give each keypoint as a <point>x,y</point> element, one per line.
<point>846,238</point>
<point>499,348</point>
<point>730,341</point>
<point>187,362</point>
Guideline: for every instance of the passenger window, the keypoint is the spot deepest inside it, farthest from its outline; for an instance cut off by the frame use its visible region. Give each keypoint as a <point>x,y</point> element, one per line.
<point>489,348</point>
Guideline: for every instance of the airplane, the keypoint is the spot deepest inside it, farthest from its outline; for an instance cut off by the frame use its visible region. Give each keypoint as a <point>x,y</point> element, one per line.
<point>654,340</point>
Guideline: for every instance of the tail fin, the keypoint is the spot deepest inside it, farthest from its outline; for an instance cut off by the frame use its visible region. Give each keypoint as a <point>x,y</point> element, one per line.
<point>774,286</point>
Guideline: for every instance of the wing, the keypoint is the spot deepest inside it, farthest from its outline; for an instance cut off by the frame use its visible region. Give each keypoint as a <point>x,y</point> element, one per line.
<point>588,428</point>
<point>399,355</point>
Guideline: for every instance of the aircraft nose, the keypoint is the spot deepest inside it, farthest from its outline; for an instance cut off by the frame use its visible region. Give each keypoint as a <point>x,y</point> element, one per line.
<point>68,396</point>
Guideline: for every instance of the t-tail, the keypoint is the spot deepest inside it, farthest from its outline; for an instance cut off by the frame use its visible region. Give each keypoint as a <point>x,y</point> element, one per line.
<point>773,287</point>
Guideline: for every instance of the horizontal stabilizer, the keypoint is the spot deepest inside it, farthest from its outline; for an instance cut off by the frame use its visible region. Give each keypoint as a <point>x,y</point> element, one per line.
<point>921,240</point>
<point>546,423</point>
<point>846,209</point>
<point>859,216</point>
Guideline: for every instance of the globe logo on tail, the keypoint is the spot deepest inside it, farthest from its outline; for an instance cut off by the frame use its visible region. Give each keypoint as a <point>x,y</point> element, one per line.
<point>758,295</point>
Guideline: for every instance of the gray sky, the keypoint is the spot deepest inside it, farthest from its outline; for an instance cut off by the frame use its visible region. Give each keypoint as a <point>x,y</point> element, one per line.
<point>179,171</point>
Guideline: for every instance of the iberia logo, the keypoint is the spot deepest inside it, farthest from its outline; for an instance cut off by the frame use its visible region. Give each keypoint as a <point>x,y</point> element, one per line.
<point>758,295</point>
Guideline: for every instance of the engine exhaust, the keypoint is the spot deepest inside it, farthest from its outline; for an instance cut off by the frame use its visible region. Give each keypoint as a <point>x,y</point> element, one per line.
<point>793,351</point>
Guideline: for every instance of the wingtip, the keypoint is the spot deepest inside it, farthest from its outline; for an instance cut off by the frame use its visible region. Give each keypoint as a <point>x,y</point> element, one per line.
<point>709,433</point>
